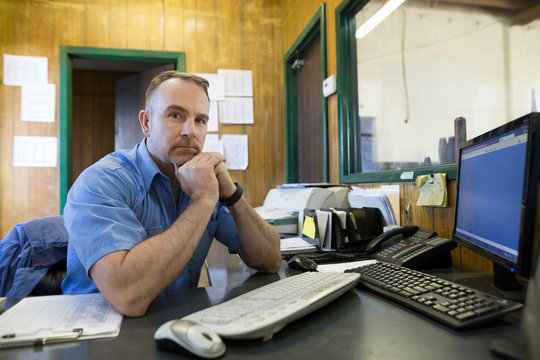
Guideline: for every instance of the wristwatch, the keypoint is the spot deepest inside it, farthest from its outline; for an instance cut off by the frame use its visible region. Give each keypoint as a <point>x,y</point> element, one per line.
<point>234,197</point>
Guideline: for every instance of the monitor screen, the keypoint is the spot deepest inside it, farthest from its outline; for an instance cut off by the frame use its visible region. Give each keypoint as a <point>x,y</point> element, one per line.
<point>497,181</point>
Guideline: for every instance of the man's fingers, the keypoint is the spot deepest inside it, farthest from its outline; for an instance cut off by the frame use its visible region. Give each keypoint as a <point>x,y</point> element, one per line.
<point>213,157</point>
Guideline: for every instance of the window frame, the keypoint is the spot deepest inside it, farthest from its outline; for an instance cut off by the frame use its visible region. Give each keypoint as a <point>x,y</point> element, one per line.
<point>348,105</point>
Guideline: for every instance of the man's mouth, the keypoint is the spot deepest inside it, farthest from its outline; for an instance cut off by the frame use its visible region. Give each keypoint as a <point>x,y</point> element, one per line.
<point>188,149</point>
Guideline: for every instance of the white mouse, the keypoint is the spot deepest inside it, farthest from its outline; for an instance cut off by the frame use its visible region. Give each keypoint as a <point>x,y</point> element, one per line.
<point>183,336</point>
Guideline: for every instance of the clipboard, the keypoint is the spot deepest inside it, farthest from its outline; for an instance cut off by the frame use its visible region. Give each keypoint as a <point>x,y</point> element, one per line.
<point>42,320</point>
<point>15,340</point>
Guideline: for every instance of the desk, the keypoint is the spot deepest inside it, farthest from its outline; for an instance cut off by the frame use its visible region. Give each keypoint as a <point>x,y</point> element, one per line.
<point>357,325</point>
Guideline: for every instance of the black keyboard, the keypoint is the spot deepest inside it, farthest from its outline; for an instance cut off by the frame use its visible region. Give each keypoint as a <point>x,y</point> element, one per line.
<point>447,302</point>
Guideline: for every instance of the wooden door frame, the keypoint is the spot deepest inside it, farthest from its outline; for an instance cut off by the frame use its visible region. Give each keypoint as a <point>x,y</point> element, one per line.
<point>315,27</point>
<point>65,106</point>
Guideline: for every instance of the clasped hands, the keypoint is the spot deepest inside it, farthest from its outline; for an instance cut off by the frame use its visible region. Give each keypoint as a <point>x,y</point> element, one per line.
<point>205,176</point>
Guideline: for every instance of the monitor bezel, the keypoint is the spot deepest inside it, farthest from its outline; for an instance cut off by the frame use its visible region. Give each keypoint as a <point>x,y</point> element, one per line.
<point>527,227</point>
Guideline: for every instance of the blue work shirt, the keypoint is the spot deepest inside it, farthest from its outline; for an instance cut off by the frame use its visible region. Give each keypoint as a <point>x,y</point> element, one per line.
<point>122,200</point>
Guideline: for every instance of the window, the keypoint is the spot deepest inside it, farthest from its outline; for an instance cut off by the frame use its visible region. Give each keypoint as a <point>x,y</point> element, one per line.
<point>401,87</point>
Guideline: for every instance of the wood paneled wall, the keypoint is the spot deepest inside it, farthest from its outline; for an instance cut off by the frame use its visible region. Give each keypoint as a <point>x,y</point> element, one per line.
<point>226,34</point>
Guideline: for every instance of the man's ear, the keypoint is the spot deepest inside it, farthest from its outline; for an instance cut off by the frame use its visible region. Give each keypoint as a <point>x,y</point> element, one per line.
<point>144,119</point>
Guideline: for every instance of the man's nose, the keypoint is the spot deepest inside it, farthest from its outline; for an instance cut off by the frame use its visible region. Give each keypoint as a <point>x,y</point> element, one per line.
<point>188,128</point>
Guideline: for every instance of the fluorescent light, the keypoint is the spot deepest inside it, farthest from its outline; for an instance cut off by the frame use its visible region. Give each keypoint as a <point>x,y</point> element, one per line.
<point>379,16</point>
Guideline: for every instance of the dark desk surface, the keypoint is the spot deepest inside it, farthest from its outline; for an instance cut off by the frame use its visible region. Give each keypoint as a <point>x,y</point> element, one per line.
<point>357,325</point>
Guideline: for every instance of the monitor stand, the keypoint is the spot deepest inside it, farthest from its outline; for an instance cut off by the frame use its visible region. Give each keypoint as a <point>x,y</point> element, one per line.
<point>504,279</point>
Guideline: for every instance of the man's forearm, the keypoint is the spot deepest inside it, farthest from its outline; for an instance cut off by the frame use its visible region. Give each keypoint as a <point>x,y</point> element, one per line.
<point>130,280</point>
<point>260,242</point>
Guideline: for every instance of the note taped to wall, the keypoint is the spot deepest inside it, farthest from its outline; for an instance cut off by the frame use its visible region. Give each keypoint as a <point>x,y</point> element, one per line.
<point>433,191</point>
<point>237,82</point>
<point>35,151</point>
<point>20,70</point>
<point>235,149</point>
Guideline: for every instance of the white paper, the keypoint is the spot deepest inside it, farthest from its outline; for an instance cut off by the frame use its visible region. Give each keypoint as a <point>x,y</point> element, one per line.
<point>213,121</point>
<point>237,82</point>
<point>236,151</point>
<point>376,198</point>
<point>295,243</point>
<point>273,213</point>
<point>213,144</point>
<point>216,87</point>
<point>341,267</point>
<point>35,151</point>
<point>46,316</point>
<point>38,102</point>
<point>236,110</point>
<point>19,70</point>
<point>325,233</point>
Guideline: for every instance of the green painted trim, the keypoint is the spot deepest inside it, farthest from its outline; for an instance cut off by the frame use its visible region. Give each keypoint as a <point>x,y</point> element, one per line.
<point>291,125</point>
<point>64,126</point>
<point>66,54</point>
<point>347,112</point>
<point>126,54</point>
<point>315,27</point>
<point>395,175</point>
<point>324,115</point>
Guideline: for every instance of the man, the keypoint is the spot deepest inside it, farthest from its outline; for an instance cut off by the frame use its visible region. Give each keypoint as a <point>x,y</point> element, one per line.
<point>141,221</point>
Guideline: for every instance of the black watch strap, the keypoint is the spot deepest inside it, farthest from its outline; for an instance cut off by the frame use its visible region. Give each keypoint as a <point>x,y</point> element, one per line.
<point>234,197</point>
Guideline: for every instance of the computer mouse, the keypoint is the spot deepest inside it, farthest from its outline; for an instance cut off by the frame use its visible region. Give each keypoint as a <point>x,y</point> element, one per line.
<point>302,263</point>
<point>186,337</point>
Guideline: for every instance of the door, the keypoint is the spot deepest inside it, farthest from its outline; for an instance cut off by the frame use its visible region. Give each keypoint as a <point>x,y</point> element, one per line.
<point>309,114</point>
<point>306,140</point>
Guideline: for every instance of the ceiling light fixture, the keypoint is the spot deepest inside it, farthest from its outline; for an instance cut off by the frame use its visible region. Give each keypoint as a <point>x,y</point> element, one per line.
<point>379,16</point>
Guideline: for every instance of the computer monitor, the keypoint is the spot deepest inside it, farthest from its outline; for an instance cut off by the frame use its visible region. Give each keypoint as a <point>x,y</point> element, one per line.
<point>497,196</point>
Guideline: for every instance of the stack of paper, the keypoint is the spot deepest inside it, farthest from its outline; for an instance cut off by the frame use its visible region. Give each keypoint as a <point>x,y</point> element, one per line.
<point>375,198</point>
<point>283,221</point>
<point>296,245</point>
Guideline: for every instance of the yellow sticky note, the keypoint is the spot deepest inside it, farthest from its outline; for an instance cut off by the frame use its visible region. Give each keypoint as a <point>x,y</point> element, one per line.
<point>309,227</point>
<point>433,191</point>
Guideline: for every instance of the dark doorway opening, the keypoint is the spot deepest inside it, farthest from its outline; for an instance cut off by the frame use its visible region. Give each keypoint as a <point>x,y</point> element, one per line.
<point>101,92</point>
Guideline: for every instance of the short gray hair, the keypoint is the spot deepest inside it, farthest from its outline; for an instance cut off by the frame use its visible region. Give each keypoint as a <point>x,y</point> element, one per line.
<point>171,74</point>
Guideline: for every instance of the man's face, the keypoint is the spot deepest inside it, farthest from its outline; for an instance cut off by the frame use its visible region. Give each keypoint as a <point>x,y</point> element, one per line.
<point>178,117</point>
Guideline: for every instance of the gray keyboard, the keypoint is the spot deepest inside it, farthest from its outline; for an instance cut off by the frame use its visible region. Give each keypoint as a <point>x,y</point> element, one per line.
<point>262,312</point>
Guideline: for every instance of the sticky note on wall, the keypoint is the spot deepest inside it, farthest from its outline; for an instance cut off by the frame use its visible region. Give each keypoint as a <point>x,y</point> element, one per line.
<point>433,190</point>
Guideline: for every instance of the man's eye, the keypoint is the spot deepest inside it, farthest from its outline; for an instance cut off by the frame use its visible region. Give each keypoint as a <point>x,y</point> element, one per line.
<point>174,115</point>
<point>202,121</point>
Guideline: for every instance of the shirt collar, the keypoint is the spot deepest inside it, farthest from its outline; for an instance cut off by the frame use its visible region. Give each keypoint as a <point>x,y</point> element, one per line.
<point>147,165</point>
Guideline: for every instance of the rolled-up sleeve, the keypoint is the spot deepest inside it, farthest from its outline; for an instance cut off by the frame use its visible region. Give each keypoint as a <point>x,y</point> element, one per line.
<point>98,216</point>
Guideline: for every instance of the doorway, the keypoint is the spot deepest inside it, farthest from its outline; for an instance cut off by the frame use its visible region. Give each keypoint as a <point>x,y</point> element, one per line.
<point>101,93</point>
<point>306,142</point>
